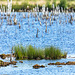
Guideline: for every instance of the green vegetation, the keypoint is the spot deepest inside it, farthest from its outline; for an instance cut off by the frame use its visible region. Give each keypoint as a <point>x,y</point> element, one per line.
<point>31,52</point>
<point>63,3</point>
<point>53,53</point>
<point>54,2</point>
<point>22,4</point>
<point>48,5</point>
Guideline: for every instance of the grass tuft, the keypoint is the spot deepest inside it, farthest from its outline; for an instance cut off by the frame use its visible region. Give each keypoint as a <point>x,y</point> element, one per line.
<point>31,52</point>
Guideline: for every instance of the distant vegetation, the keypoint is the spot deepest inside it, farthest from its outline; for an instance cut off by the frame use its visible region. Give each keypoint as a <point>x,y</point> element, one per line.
<point>22,4</point>
<point>34,0</point>
<point>63,3</point>
<point>31,52</point>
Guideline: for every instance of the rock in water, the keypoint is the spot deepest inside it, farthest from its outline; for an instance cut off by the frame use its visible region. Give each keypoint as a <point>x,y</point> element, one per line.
<point>3,56</point>
<point>36,66</point>
<point>42,66</point>
<point>21,61</point>
<point>13,62</point>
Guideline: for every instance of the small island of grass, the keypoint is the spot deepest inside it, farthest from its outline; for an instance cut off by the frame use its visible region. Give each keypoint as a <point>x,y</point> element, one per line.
<point>30,52</point>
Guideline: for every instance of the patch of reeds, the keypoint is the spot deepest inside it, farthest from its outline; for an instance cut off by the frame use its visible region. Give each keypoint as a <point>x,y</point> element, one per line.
<point>53,53</point>
<point>31,52</point>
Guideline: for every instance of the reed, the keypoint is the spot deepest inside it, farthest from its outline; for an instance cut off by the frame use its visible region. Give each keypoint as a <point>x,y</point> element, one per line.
<point>31,52</point>
<point>34,53</point>
<point>20,52</point>
<point>53,53</point>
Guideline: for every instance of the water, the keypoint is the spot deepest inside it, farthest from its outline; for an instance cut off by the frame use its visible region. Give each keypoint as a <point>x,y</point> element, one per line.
<point>59,35</point>
<point>26,68</point>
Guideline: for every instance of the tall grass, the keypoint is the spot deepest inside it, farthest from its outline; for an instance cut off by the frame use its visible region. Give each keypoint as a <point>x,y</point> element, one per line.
<point>54,53</point>
<point>20,52</point>
<point>34,53</point>
<point>30,52</point>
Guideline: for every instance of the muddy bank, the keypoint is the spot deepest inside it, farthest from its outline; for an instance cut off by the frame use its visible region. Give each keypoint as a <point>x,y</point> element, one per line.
<point>7,63</point>
<point>3,56</point>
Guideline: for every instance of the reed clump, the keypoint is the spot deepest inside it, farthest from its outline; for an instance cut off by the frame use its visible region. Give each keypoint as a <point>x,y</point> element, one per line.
<point>54,53</point>
<point>31,52</point>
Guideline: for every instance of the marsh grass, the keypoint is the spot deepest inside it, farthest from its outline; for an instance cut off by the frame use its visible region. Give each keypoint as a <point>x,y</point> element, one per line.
<point>31,52</point>
<point>53,53</point>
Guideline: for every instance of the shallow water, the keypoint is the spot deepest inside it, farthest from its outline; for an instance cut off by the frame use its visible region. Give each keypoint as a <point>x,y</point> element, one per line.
<point>59,35</point>
<point>26,68</point>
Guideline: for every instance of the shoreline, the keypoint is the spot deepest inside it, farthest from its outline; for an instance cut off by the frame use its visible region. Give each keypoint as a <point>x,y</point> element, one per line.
<point>37,65</point>
<point>7,56</point>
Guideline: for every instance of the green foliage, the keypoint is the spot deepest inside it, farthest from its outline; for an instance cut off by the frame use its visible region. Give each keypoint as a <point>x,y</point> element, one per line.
<point>18,7</point>
<point>63,3</point>
<point>18,52</point>
<point>64,54</point>
<point>30,52</point>
<point>47,53</point>
<point>23,6</point>
<point>41,54</point>
<point>54,2</point>
<point>53,53</point>
<point>48,5</point>
<point>38,53</point>
<point>34,53</point>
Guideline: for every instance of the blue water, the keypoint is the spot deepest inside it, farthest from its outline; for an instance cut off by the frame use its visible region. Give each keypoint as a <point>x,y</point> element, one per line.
<point>59,35</point>
<point>26,68</point>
